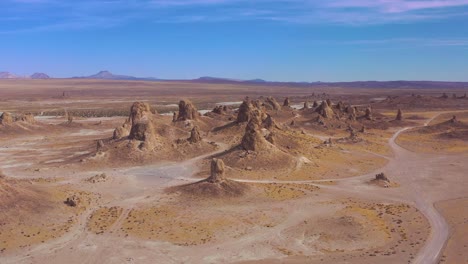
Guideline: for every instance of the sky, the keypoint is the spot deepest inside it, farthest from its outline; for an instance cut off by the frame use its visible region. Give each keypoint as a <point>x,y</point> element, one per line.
<point>278,40</point>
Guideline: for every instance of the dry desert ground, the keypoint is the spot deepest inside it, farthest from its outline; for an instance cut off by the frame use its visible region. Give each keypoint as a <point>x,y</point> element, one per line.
<point>96,171</point>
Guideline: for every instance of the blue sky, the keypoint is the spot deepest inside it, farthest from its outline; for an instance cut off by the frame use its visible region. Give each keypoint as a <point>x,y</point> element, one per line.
<point>279,40</point>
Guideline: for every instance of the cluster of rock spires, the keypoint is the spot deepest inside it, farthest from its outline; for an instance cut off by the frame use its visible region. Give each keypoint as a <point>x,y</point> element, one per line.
<point>7,118</point>
<point>139,126</point>
<point>187,111</point>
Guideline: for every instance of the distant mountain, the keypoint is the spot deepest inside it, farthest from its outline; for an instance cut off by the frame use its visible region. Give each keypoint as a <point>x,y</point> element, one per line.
<point>107,75</point>
<point>40,75</point>
<point>8,75</point>
<point>256,81</point>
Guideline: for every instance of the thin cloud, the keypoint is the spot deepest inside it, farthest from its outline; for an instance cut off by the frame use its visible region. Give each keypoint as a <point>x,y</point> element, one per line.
<point>58,15</point>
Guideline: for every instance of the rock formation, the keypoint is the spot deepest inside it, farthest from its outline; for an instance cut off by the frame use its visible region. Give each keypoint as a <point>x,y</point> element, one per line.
<point>329,102</point>
<point>270,138</point>
<point>217,171</point>
<point>28,118</point>
<point>325,110</point>
<point>122,131</point>
<point>174,117</point>
<point>340,106</point>
<point>99,145</point>
<point>138,126</point>
<point>72,201</point>
<point>219,110</point>
<point>286,102</point>
<point>306,105</point>
<point>253,139</point>
<point>195,136</point>
<point>399,115</point>
<point>368,115</point>
<point>269,122</point>
<point>187,111</point>
<point>245,111</point>
<point>272,103</point>
<point>381,177</point>
<point>454,119</point>
<point>140,112</point>
<point>315,104</point>
<point>6,118</point>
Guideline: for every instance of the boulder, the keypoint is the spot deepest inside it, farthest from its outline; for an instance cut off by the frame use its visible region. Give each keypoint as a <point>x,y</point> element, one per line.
<point>187,111</point>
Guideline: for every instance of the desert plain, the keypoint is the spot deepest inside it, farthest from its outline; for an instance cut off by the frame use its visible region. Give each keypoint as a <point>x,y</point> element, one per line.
<point>100,171</point>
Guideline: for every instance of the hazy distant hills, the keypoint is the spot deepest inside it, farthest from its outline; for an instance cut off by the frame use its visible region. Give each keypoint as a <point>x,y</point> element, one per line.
<point>37,75</point>
<point>106,75</point>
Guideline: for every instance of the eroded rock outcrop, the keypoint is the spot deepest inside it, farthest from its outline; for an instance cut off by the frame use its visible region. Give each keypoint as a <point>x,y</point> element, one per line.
<point>306,105</point>
<point>27,118</point>
<point>140,112</point>
<point>99,145</point>
<point>399,115</point>
<point>271,103</point>
<point>72,201</point>
<point>286,102</point>
<point>253,139</point>
<point>195,136</point>
<point>6,118</point>
<point>269,122</point>
<point>245,111</point>
<point>325,110</point>
<point>218,170</point>
<point>187,111</point>
<point>368,114</point>
<point>122,131</point>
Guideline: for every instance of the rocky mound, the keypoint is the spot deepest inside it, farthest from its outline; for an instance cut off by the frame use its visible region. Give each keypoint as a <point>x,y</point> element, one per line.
<point>215,186</point>
<point>187,111</point>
